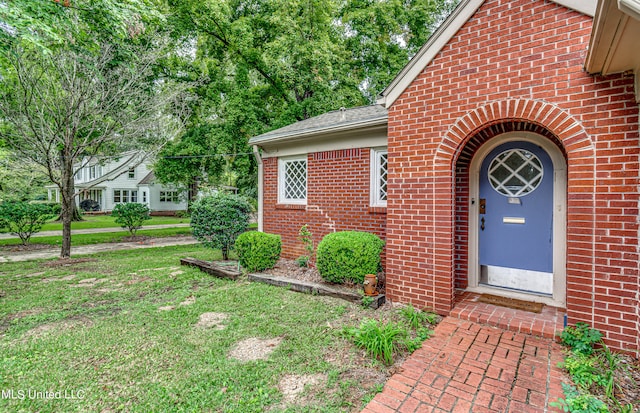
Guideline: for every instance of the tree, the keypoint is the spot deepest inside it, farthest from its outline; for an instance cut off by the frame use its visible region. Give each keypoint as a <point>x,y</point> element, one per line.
<point>131,216</point>
<point>20,179</point>
<point>217,220</point>
<point>24,219</point>
<point>268,64</point>
<point>79,104</point>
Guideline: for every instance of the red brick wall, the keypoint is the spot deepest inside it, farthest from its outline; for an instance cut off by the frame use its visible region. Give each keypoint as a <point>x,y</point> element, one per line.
<point>338,193</point>
<point>518,61</point>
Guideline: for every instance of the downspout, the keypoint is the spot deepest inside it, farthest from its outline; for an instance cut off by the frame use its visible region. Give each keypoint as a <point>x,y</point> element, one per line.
<point>256,154</point>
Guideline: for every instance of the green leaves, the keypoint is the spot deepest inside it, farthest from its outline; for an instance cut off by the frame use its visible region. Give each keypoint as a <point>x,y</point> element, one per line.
<point>258,251</point>
<point>131,216</point>
<point>348,256</point>
<point>24,219</point>
<point>218,220</point>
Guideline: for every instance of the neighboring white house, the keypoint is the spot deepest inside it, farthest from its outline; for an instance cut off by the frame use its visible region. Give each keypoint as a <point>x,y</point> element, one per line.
<point>122,179</point>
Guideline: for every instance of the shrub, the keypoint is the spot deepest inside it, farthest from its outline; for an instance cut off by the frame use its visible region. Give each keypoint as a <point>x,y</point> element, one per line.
<point>24,219</point>
<point>581,338</point>
<point>258,251</point>
<point>348,256</point>
<point>217,220</point>
<point>131,216</point>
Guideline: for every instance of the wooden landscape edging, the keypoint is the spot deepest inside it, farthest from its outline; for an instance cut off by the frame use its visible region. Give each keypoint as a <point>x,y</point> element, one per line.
<point>210,268</point>
<point>294,285</point>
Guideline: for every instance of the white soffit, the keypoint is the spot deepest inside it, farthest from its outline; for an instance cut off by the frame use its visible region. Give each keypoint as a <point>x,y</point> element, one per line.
<point>462,13</point>
<point>613,46</point>
<point>587,7</point>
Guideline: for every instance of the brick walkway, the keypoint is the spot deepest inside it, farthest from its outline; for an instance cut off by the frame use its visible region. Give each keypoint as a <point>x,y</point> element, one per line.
<point>468,367</point>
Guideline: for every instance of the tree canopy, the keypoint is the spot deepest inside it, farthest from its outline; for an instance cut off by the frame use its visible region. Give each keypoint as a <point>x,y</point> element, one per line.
<point>264,64</point>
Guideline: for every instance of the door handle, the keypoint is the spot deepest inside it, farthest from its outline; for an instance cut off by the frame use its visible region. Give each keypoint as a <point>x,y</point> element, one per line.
<point>482,224</point>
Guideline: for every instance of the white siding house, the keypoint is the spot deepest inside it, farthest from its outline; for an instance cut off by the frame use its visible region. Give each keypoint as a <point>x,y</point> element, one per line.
<point>122,179</point>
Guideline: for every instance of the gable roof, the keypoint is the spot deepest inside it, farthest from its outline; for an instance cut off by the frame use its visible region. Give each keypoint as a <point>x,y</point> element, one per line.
<point>149,179</point>
<point>439,39</point>
<point>334,121</point>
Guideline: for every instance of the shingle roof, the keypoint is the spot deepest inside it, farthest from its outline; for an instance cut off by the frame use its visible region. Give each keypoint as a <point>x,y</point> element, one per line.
<point>148,180</point>
<point>336,120</point>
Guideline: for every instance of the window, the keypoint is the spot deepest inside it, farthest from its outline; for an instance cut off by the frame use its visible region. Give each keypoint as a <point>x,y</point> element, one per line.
<point>121,196</point>
<point>169,196</point>
<point>94,171</point>
<point>79,175</point>
<point>379,158</point>
<point>515,172</point>
<point>144,197</point>
<point>131,174</point>
<point>292,180</point>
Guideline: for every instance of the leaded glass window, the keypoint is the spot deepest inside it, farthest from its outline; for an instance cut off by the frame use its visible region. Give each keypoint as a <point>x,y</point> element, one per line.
<point>515,172</point>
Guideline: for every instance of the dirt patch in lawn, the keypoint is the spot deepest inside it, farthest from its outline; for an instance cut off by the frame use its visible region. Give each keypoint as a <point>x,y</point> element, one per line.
<point>89,282</point>
<point>211,320</point>
<point>52,279</point>
<point>25,248</point>
<point>62,325</point>
<point>254,348</point>
<point>293,388</point>
<point>189,301</point>
<point>68,262</point>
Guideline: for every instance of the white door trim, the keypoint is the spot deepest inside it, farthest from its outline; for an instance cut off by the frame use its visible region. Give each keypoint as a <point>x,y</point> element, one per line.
<point>558,297</point>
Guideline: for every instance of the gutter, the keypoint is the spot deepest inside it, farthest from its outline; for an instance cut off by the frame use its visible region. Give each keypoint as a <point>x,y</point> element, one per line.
<point>311,132</point>
<point>256,154</point>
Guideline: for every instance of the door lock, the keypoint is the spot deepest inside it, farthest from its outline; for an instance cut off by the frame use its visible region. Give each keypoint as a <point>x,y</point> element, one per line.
<point>482,206</point>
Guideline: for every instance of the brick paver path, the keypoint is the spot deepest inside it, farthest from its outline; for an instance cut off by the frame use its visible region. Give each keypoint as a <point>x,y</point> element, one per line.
<point>469,367</point>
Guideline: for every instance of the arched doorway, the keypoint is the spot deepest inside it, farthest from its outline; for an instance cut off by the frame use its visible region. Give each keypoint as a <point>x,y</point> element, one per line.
<point>515,214</point>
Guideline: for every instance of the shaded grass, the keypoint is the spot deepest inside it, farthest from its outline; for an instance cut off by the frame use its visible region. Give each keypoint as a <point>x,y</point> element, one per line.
<point>99,238</point>
<point>107,221</point>
<point>123,354</point>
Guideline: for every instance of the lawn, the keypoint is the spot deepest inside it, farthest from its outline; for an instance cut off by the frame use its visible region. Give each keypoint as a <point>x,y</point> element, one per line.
<point>118,332</point>
<point>107,221</point>
<point>98,238</point>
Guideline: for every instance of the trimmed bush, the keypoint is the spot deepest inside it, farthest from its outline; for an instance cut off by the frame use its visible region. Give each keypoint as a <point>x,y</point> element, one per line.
<point>258,251</point>
<point>24,219</point>
<point>131,216</point>
<point>348,256</point>
<point>219,219</point>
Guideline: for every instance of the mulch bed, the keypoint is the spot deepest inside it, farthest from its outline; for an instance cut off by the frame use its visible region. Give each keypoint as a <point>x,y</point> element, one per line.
<point>291,269</point>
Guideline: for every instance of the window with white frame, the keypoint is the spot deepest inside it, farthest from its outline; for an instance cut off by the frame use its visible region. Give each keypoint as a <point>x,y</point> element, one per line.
<point>169,196</point>
<point>379,158</point>
<point>292,180</point>
<point>94,171</point>
<point>131,174</point>
<point>121,196</point>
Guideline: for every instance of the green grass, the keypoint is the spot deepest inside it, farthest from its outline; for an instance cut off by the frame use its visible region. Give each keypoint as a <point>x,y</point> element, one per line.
<point>99,238</point>
<point>111,343</point>
<point>107,221</point>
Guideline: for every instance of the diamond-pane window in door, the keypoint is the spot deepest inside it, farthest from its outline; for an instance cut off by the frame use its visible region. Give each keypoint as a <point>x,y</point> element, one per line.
<point>515,172</point>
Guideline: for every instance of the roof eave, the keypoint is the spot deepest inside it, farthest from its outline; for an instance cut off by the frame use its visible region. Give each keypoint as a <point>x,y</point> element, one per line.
<point>309,133</point>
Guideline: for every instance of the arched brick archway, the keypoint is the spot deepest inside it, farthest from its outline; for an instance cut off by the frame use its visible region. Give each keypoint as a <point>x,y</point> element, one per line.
<point>469,132</point>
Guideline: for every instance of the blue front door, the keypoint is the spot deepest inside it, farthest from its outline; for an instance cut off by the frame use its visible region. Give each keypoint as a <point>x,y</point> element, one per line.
<point>516,218</point>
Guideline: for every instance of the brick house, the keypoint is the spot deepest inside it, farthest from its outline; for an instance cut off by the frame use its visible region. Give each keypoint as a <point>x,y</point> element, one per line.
<point>504,158</point>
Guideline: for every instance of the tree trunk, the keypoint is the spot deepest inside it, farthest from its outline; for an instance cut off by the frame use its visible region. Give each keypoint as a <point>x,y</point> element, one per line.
<point>75,215</point>
<point>67,191</point>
